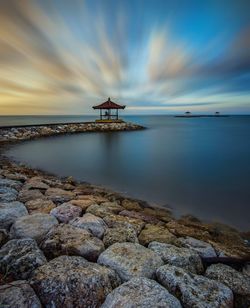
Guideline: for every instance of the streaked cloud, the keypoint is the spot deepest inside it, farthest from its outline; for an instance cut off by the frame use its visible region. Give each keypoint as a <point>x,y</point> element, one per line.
<point>61,57</point>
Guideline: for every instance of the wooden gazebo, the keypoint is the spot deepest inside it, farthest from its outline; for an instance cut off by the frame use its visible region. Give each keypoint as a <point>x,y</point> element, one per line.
<point>107,115</point>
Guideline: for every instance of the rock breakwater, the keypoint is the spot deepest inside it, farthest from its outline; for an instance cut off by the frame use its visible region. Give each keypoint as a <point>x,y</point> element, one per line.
<point>70,244</point>
<point>8,134</point>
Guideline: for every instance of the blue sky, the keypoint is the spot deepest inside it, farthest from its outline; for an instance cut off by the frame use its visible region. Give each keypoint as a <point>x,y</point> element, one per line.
<point>157,57</point>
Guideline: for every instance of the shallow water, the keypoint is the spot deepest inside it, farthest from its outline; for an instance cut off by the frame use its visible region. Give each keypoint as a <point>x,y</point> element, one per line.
<point>198,166</point>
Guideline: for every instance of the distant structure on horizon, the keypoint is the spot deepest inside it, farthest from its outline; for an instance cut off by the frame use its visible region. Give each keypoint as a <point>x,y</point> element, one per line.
<point>187,113</point>
<point>217,113</point>
<point>107,115</point>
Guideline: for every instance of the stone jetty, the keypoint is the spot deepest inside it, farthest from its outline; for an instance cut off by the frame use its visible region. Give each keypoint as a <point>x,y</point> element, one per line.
<point>8,134</point>
<point>70,244</point>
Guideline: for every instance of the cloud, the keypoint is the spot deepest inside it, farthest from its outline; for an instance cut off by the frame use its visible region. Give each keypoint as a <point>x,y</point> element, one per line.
<point>63,57</point>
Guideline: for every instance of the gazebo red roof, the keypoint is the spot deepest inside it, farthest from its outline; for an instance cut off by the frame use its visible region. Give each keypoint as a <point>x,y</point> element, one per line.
<point>109,105</point>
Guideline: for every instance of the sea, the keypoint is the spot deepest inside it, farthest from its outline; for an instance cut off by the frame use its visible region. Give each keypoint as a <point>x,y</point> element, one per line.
<point>196,166</point>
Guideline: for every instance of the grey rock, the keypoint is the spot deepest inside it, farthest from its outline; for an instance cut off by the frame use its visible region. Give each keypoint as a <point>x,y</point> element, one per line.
<point>141,292</point>
<point>59,195</point>
<point>8,194</point>
<point>182,257</point>
<point>65,239</point>
<point>117,221</point>
<point>238,282</point>
<point>9,212</point>
<point>36,182</point>
<point>119,235</point>
<point>18,258</point>
<point>10,183</point>
<point>70,281</point>
<point>18,294</point>
<point>26,195</point>
<point>34,226</point>
<point>92,223</point>
<point>194,290</point>
<point>104,209</point>
<point>204,249</point>
<point>66,212</point>
<point>40,206</point>
<point>131,260</point>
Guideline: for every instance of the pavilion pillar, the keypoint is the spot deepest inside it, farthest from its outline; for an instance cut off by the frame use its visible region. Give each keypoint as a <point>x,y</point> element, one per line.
<point>116,114</point>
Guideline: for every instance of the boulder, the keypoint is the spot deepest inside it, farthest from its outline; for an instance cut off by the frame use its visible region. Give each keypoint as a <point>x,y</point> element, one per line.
<point>64,239</point>
<point>9,212</point>
<point>10,183</point>
<point>117,221</point>
<point>36,182</point>
<point>147,218</point>
<point>141,292</point>
<point>163,214</point>
<point>205,250</point>
<point>15,176</point>
<point>40,206</point>
<point>182,257</point>
<point>18,294</point>
<point>34,226</point>
<point>66,212</point>
<point>70,281</point>
<point>104,209</point>
<point>18,258</point>
<point>92,223</point>
<point>26,195</point>
<point>157,233</point>
<point>246,269</point>
<point>193,230</point>
<point>59,195</point>
<point>194,290</point>
<point>8,194</point>
<point>83,204</point>
<point>119,235</point>
<point>93,198</point>
<point>130,260</point>
<point>238,282</point>
<point>131,205</point>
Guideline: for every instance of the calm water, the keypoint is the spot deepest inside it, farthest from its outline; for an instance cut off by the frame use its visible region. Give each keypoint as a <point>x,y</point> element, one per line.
<point>197,166</point>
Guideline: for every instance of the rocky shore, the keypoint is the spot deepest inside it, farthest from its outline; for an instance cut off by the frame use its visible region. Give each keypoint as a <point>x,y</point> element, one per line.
<point>70,244</point>
<point>9,134</point>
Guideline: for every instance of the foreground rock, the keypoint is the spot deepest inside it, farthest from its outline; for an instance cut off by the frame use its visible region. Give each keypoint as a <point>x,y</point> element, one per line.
<point>181,257</point>
<point>139,215</point>
<point>236,281</point>
<point>119,235</point>
<point>18,258</point>
<point>66,212</point>
<point>65,239</point>
<point>73,282</point>
<point>26,195</point>
<point>194,290</point>
<point>40,206</point>
<point>156,233</point>
<point>91,223</point>
<point>104,209</point>
<point>205,250</point>
<point>130,260</point>
<point>34,226</point>
<point>117,221</point>
<point>8,194</point>
<point>141,292</point>
<point>59,195</point>
<point>10,183</point>
<point>9,212</point>
<point>18,294</point>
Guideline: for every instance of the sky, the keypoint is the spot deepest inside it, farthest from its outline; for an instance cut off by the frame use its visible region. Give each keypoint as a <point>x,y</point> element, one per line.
<point>60,57</point>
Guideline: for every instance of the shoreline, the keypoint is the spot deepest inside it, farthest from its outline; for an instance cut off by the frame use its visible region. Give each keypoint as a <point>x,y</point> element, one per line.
<point>63,216</point>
